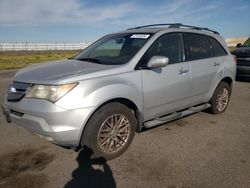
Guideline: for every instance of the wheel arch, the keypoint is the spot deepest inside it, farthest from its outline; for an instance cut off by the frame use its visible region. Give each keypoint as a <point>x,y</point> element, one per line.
<point>226,79</point>
<point>229,81</point>
<point>130,104</point>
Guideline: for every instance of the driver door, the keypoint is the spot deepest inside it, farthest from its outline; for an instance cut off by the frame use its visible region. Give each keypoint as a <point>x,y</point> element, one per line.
<point>166,89</point>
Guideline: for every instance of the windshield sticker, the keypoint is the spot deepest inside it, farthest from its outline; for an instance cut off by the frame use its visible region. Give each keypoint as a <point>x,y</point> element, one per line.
<point>139,36</point>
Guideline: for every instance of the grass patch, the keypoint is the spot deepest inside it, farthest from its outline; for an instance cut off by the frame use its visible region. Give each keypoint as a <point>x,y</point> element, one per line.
<point>232,48</point>
<point>20,59</point>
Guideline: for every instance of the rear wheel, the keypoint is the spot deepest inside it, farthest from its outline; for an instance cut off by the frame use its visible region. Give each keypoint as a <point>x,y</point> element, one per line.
<point>220,99</point>
<point>110,130</point>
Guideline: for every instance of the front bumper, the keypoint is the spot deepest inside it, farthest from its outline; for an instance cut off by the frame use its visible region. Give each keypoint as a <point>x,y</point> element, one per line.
<point>243,71</point>
<point>47,120</point>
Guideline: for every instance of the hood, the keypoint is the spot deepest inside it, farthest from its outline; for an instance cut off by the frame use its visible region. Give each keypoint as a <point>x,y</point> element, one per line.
<point>242,50</point>
<point>58,70</point>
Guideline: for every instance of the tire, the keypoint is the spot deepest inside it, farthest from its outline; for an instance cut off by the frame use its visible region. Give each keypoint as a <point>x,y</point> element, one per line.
<point>220,99</point>
<point>110,131</point>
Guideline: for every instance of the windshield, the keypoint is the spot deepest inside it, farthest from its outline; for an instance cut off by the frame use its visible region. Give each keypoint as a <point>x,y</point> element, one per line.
<point>247,43</point>
<point>114,49</point>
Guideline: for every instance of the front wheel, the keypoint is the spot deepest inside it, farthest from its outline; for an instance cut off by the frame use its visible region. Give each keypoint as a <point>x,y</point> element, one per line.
<point>220,99</point>
<point>110,130</point>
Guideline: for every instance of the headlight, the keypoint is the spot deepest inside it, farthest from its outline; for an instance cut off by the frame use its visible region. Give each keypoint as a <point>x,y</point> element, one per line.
<point>49,92</point>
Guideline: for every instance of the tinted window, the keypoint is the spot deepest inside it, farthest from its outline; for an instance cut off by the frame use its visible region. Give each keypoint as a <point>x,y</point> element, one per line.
<point>217,48</point>
<point>169,45</point>
<point>196,46</point>
<point>247,43</point>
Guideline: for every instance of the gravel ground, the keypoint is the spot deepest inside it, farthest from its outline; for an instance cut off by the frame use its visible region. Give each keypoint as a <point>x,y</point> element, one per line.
<point>201,150</point>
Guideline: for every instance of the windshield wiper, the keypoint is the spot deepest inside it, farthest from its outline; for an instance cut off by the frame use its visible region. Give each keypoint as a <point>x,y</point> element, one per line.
<point>90,60</point>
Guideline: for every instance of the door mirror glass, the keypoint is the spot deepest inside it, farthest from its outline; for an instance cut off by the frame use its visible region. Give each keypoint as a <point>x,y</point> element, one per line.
<point>158,61</point>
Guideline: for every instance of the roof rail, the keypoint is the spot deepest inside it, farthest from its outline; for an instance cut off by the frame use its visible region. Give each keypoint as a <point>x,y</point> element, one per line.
<point>177,25</point>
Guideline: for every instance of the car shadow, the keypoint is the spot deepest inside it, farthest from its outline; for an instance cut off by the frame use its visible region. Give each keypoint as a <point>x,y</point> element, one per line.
<point>91,172</point>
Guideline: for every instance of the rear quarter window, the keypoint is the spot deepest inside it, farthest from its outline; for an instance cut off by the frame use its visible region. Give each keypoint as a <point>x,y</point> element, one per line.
<point>196,46</point>
<point>218,50</point>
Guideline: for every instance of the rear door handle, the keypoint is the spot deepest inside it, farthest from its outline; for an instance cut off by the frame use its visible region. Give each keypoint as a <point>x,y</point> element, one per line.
<point>216,64</point>
<point>183,71</point>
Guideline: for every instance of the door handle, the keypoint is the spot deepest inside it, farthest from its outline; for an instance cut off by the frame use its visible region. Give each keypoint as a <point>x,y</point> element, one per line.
<point>216,64</point>
<point>183,71</point>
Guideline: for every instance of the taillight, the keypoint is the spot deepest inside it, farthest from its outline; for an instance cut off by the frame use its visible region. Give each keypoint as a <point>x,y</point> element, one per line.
<point>235,60</point>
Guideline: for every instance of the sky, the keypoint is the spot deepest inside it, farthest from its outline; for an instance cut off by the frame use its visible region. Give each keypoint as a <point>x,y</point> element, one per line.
<point>87,20</point>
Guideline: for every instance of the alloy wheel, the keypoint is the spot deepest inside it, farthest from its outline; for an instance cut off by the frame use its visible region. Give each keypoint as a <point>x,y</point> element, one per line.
<point>222,99</point>
<point>114,133</point>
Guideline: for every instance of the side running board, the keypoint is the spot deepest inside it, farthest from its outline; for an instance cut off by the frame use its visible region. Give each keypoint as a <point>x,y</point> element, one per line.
<point>175,115</point>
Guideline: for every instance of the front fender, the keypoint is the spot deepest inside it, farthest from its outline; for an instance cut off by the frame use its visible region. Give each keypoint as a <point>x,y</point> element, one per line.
<point>95,92</point>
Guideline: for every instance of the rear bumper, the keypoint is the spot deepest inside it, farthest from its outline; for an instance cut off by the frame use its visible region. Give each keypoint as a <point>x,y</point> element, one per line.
<point>49,121</point>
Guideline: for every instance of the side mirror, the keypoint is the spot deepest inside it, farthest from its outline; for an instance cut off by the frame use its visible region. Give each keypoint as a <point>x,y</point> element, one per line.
<point>239,45</point>
<point>158,61</point>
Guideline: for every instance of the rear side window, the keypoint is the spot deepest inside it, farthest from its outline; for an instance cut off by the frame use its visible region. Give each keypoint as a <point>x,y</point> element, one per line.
<point>196,46</point>
<point>217,48</point>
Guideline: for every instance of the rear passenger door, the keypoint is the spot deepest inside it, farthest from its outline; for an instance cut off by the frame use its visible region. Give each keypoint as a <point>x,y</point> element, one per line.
<point>204,66</point>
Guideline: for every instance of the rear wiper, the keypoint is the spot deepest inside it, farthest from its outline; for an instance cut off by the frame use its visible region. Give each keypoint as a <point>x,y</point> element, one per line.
<point>90,60</point>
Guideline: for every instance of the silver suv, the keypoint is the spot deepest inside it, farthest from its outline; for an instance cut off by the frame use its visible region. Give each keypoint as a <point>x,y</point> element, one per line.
<point>123,83</point>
